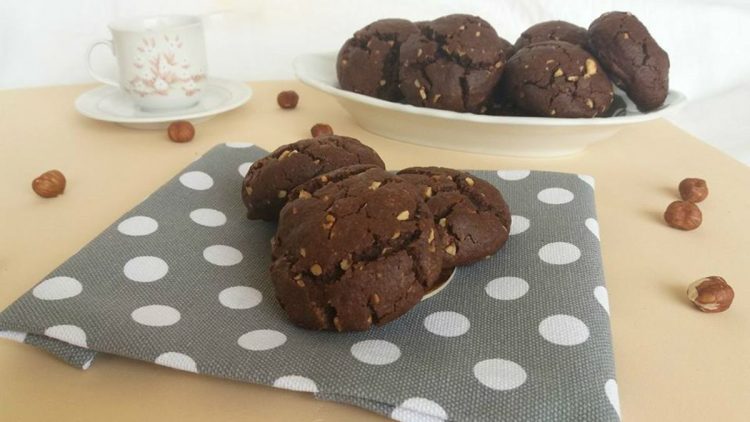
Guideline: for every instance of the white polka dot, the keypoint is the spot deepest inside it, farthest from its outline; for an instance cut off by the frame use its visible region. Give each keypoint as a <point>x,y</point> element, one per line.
<point>610,389</point>
<point>208,217</point>
<point>86,365</point>
<point>418,409</point>
<point>240,297</point>
<point>57,288</point>
<point>513,174</point>
<point>600,293</point>
<point>238,144</point>
<point>564,330</point>
<point>593,226</point>
<point>197,180</point>
<point>296,383</point>
<point>243,168</point>
<point>447,324</point>
<point>156,315</point>
<point>145,269</point>
<point>376,352</point>
<point>507,288</point>
<point>68,333</point>
<point>222,255</point>
<point>499,374</point>
<point>177,360</point>
<point>588,179</point>
<point>138,226</point>
<point>559,253</point>
<point>518,224</point>
<point>555,196</point>
<point>261,340</point>
<point>13,335</point>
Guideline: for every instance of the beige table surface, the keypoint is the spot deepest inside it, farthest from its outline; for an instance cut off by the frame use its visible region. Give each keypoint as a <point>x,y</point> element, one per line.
<point>674,363</point>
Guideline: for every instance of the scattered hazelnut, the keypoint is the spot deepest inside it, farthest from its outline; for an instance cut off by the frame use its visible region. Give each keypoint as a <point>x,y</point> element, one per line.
<point>287,99</point>
<point>374,299</point>
<point>469,181</point>
<point>303,194</point>
<point>316,269</point>
<point>711,294</point>
<point>321,129</point>
<point>181,131</point>
<point>374,185</point>
<point>345,264</point>
<point>403,215</point>
<point>49,184</point>
<point>683,215</point>
<point>693,190</point>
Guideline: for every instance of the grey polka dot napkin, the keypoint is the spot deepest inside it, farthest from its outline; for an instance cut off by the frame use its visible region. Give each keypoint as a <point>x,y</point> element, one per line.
<point>182,281</point>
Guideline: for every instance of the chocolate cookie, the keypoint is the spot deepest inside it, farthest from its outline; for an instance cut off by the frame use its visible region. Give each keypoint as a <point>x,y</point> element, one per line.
<point>354,251</point>
<point>557,79</point>
<point>472,217</point>
<point>453,65</point>
<point>269,180</point>
<point>553,31</point>
<point>632,57</point>
<point>368,62</point>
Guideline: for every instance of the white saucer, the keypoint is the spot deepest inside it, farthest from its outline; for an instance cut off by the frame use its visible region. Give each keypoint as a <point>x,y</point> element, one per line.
<point>111,104</point>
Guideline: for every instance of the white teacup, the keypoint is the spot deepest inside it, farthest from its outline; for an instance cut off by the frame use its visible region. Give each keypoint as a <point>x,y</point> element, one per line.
<point>161,60</point>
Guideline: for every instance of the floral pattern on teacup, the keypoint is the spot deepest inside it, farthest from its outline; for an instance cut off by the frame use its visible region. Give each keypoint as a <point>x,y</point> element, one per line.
<point>161,67</point>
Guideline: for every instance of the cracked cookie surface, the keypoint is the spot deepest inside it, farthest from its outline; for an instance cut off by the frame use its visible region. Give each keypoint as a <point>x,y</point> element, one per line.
<point>454,64</point>
<point>269,180</point>
<point>553,31</point>
<point>368,62</point>
<point>630,54</point>
<point>356,248</point>
<point>471,216</point>
<point>557,79</point>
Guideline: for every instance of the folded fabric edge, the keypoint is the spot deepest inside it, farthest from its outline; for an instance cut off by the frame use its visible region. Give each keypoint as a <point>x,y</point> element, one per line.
<point>411,409</point>
<point>75,356</point>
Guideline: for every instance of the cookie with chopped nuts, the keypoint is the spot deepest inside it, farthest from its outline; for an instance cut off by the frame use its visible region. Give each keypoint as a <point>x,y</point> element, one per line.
<point>553,31</point>
<point>270,180</point>
<point>454,64</point>
<point>557,79</point>
<point>632,57</point>
<point>353,252</point>
<point>368,62</point>
<point>472,218</point>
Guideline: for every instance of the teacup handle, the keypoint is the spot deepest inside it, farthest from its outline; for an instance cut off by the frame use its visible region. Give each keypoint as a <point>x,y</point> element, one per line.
<point>93,74</point>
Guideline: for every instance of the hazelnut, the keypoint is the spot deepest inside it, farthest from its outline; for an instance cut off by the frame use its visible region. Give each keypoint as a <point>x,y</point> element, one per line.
<point>693,190</point>
<point>49,184</point>
<point>181,131</point>
<point>711,294</point>
<point>321,129</point>
<point>316,269</point>
<point>403,215</point>
<point>683,215</point>
<point>287,99</point>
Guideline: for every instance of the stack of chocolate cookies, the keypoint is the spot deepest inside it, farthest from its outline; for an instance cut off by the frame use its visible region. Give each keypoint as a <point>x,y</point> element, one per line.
<point>357,246</point>
<point>459,63</point>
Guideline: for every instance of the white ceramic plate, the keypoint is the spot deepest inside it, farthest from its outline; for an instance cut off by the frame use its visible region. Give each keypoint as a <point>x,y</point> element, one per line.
<point>111,104</point>
<point>497,135</point>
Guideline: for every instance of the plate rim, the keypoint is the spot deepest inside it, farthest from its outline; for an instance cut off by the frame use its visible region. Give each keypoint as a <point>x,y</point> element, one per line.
<point>678,101</point>
<point>240,90</point>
